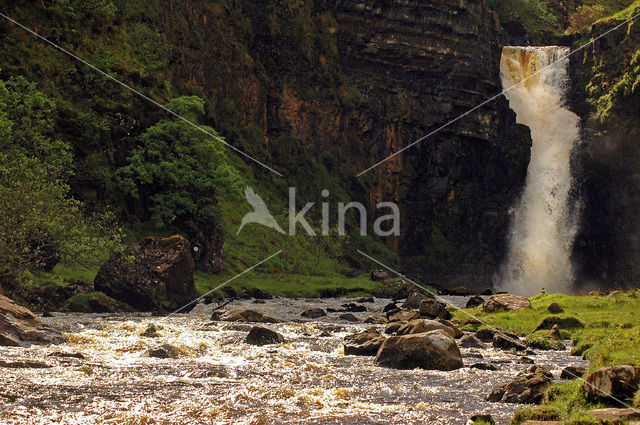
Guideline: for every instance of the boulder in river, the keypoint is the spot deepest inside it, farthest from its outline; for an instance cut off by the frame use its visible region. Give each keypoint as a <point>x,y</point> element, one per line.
<point>429,350</point>
<point>20,327</point>
<point>414,300</point>
<point>353,308</point>
<point>432,309</point>
<point>155,274</point>
<point>403,315</point>
<point>506,302</point>
<point>573,372</point>
<point>470,341</point>
<point>247,315</point>
<point>365,343</point>
<point>425,325</point>
<point>263,336</point>
<point>348,317</point>
<point>376,319</point>
<point>620,382</point>
<point>504,342</point>
<point>475,301</point>
<point>164,351</point>
<point>528,387</point>
<point>313,313</point>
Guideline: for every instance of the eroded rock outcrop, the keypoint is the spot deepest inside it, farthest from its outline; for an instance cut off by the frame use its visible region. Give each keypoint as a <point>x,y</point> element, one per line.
<point>155,274</point>
<point>20,327</point>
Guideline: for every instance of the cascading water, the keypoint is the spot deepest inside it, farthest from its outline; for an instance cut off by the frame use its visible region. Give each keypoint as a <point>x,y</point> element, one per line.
<point>544,225</point>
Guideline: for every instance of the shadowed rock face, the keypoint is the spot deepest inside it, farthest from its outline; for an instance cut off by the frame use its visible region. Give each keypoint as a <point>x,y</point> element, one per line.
<point>19,326</point>
<point>153,275</point>
<point>380,75</point>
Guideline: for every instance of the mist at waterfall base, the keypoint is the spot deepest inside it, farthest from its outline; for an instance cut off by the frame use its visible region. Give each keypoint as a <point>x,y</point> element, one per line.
<point>545,219</point>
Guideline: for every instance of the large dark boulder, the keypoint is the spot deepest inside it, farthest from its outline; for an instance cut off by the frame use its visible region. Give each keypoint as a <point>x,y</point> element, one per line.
<point>429,350</point>
<point>620,382</point>
<point>20,327</point>
<point>263,336</point>
<point>432,309</point>
<point>528,387</point>
<point>155,274</point>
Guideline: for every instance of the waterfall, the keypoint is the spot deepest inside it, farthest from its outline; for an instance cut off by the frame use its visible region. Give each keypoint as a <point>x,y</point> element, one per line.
<point>544,224</point>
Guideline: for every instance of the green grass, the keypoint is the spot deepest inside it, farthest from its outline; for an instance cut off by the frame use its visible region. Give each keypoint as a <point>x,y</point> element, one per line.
<point>610,336</point>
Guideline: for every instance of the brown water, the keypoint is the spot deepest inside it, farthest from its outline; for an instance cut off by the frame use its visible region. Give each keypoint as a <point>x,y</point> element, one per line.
<point>220,380</point>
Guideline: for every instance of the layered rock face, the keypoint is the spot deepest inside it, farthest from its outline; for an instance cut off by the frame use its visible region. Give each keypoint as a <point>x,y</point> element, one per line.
<point>350,82</point>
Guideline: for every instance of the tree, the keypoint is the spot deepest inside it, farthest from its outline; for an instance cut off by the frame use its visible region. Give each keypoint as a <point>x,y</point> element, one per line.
<point>40,224</point>
<point>178,171</point>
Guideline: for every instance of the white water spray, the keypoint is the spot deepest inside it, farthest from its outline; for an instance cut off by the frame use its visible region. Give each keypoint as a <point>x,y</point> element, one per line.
<point>544,227</point>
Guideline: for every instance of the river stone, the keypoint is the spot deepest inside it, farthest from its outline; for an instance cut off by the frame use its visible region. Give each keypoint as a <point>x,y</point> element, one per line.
<point>365,343</point>
<point>620,382</point>
<point>561,322</point>
<point>390,307</point>
<point>505,343</point>
<point>456,329</point>
<point>20,327</point>
<point>263,336</point>
<point>348,317</point>
<point>376,319</point>
<point>365,300</point>
<point>313,313</point>
<point>429,350</point>
<point>470,341</point>
<point>475,301</point>
<point>150,332</point>
<point>506,302</point>
<point>418,326</point>
<point>353,308</point>
<point>247,315</point>
<point>414,300</point>
<point>404,315</point>
<point>527,388</point>
<point>572,372</point>
<point>164,351</point>
<point>554,333</point>
<point>483,366</point>
<point>393,327</point>
<point>432,309</point>
<point>155,274</point>
<point>614,415</point>
<point>485,334</point>
<point>555,308</point>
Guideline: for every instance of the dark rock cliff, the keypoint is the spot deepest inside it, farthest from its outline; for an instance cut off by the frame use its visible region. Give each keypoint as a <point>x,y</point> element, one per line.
<point>353,82</point>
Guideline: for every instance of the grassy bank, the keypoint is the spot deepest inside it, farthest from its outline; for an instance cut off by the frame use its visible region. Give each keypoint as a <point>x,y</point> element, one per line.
<point>610,336</point>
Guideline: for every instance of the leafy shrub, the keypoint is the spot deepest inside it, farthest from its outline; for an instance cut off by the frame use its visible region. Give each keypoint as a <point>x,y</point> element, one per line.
<point>533,14</point>
<point>584,16</point>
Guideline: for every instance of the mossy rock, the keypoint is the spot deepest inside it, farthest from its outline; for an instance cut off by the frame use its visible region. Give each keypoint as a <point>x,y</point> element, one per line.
<point>562,322</point>
<point>96,302</point>
<point>547,344</point>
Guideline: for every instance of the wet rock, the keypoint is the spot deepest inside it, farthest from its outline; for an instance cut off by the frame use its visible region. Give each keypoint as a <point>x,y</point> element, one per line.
<point>429,350</point>
<point>487,291</point>
<point>433,309</point>
<point>247,316</point>
<point>481,419</point>
<point>560,322</point>
<point>46,314</point>
<point>20,327</point>
<point>365,343</point>
<point>393,328</point>
<point>164,351</point>
<point>403,315</point>
<point>150,332</point>
<point>349,317</point>
<point>620,382</point>
<point>555,308</point>
<point>457,331</point>
<point>458,290</point>
<point>353,308</point>
<point>525,360</point>
<point>506,343</point>
<point>470,341</point>
<point>155,274</point>
<point>483,366</point>
<point>313,313</point>
<point>365,300</point>
<point>485,334</point>
<point>389,307</point>
<point>475,301</point>
<point>263,336</point>
<point>24,364</point>
<point>378,275</point>
<point>414,300</point>
<point>613,415</point>
<point>257,294</point>
<point>67,355</point>
<point>376,319</point>
<point>554,333</point>
<point>506,302</point>
<point>527,388</point>
<point>258,301</point>
<point>572,372</point>
<point>425,325</point>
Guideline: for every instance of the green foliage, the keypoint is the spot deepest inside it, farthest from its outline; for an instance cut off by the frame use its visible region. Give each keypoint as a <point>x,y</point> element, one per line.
<point>533,14</point>
<point>584,16</point>
<point>179,171</point>
<point>41,224</point>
